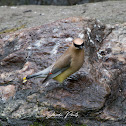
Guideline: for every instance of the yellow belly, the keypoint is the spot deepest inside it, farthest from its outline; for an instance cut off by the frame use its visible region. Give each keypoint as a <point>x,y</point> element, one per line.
<point>61,77</point>
<point>76,64</point>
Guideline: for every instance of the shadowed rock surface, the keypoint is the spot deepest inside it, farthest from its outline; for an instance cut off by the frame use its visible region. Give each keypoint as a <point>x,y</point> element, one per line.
<point>40,2</point>
<point>97,91</point>
<point>47,2</point>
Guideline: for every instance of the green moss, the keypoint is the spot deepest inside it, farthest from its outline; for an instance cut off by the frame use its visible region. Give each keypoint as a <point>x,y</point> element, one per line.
<point>38,124</point>
<point>12,29</point>
<point>48,122</point>
<point>43,124</point>
<point>70,124</point>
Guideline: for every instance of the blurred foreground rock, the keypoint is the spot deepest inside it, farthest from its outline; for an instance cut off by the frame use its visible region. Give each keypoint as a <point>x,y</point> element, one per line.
<point>20,17</point>
<point>97,91</point>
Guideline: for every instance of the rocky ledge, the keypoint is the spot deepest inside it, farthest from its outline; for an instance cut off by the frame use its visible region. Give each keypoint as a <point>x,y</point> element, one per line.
<point>95,95</point>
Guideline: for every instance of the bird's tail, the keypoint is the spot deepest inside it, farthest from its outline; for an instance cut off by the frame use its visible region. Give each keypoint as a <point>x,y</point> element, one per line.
<point>41,74</point>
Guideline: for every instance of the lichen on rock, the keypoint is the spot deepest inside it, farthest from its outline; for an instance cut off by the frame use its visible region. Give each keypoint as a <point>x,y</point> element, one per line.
<point>97,90</point>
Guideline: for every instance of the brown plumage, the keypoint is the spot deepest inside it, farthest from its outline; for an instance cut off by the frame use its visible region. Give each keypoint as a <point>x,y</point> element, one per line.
<point>67,64</point>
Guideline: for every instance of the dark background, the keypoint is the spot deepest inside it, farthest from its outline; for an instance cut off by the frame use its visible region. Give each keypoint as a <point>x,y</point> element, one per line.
<point>47,2</point>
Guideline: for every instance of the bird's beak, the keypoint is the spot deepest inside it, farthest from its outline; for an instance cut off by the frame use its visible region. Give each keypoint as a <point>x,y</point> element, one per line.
<point>80,47</point>
<point>24,80</point>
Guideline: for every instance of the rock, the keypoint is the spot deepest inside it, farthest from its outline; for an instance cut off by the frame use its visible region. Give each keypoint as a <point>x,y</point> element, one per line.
<point>96,91</point>
<point>115,63</point>
<point>60,2</point>
<point>6,92</point>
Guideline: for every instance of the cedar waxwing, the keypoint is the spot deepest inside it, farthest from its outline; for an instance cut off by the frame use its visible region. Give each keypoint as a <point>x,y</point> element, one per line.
<point>67,64</point>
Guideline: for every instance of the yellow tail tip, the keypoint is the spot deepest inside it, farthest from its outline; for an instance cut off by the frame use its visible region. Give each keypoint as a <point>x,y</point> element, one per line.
<point>24,79</point>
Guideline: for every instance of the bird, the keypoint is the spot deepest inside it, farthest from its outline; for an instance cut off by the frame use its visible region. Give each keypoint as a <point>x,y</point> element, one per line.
<point>67,64</point>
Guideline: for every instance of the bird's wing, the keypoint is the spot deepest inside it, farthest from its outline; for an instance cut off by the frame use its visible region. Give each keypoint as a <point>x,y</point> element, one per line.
<point>60,66</point>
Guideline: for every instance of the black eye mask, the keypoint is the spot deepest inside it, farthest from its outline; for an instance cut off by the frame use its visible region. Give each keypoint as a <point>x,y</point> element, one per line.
<point>79,45</point>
